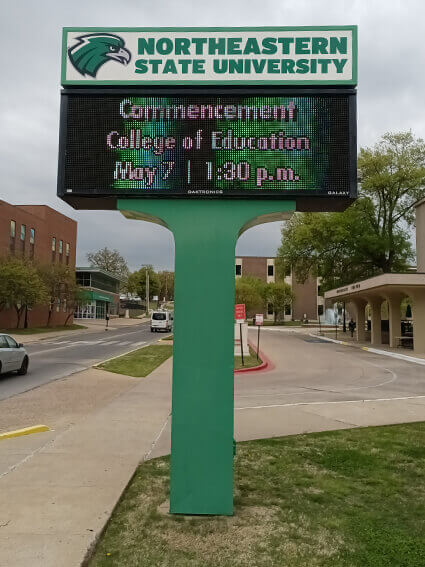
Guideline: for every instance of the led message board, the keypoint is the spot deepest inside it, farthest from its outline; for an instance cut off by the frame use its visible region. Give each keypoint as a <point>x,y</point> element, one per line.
<point>211,146</point>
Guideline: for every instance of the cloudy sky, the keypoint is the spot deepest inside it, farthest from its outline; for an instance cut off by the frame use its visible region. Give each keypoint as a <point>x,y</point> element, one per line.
<point>390,93</point>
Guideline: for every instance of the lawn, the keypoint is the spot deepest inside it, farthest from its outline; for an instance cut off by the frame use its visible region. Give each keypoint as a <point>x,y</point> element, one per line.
<point>34,330</point>
<point>139,363</point>
<point>353,498</point>
<point>249,361</point>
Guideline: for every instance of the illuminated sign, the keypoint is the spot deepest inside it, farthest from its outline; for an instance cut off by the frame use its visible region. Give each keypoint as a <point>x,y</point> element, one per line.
<point>208,146</point>
<point>271,55</point>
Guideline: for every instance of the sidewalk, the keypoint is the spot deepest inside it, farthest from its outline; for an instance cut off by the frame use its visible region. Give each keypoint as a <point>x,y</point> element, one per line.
<point>92,327</point>
<point>55,503</point>
<point>346,340</point>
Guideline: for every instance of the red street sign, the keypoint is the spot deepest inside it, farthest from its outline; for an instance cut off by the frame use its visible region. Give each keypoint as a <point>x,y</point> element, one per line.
<point>240,312</point>
<point>259,319</point>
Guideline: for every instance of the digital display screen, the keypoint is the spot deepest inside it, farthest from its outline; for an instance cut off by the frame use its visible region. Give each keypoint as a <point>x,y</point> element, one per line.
<point>204,146</point>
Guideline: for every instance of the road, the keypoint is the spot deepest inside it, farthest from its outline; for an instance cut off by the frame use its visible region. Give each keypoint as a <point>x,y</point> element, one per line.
<point>308,370</point>
<point>56,358</point>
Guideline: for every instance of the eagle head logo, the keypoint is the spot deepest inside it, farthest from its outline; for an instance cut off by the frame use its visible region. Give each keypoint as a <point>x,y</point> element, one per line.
<point>95,49</point>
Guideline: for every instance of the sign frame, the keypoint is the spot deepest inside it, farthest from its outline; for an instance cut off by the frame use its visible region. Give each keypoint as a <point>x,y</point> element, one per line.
<point>179,80</point>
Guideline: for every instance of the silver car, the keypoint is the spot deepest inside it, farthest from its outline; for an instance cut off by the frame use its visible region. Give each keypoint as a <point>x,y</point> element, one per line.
<point>13,356</point>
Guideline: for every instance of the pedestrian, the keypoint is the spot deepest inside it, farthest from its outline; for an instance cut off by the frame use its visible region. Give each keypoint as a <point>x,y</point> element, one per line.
<point>351,327</point>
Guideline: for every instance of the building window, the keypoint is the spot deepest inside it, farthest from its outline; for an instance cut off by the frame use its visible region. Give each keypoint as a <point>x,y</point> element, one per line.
<point>32,235</point>
<point>319,288</point>
<point>23,231</point>
<point>67,248</point>
<point>58,304</point>
<point>12,229</point>
<point>60,246</point>
<point>270,270</point>
<point>320,310</point>
<point>238,269</point>
<point>270,309</point>
<point>53,244</point>
<point>287,309</point>
<point>64,305</point>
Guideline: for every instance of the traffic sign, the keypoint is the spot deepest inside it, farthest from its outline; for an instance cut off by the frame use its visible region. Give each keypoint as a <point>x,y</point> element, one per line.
<point>240,314</point>
<point>259,319</point>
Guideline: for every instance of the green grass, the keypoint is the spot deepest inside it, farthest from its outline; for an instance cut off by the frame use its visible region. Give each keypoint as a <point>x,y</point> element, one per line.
<point>169,338</point>
<point>249,361</point>
<point>34,330</point>
<point>353,498</point>
<point>139,363</point>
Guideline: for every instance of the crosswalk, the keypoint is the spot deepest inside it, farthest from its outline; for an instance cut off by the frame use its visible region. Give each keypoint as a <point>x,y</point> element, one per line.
<point>99,342</point>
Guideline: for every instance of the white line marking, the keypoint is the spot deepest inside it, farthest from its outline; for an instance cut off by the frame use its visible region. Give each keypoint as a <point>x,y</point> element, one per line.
<point>334,402</point>
<point>123,343</point>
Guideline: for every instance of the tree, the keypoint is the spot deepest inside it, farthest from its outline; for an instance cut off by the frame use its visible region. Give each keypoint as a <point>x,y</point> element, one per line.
<point>250,291</point>
<point>61,286</point>
<point>280,296</point>
<point>166,281</point>
<point>111,261</point>
<point>21,287</point>
<point>371,236</point>
<point>137,282</point>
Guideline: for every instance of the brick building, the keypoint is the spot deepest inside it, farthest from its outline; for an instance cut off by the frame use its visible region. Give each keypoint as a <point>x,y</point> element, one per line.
<point>43,236</point>
<point>307,302</point>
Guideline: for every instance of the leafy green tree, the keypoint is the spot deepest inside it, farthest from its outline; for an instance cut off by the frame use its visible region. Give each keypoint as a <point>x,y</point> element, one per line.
<point>371,236</point>
<point>250,291</point>
<point>61,287</point>
<point>137,282</point>
<point>280,296</point>
<point>111,261</point>
<point>21,286</point>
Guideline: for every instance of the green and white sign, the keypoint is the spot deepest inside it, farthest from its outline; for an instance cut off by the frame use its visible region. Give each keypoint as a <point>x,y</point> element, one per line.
<point>272,55</point>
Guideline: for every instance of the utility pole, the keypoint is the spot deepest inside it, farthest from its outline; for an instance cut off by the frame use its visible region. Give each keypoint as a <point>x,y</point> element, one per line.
<point>147,292</point>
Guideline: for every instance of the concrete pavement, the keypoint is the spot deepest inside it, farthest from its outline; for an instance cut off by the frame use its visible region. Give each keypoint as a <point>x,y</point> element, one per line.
<point>58,497</point>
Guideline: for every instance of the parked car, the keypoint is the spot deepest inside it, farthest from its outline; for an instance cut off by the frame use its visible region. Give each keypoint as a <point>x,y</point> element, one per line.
<point>161,321</point>
<point>13,356</point>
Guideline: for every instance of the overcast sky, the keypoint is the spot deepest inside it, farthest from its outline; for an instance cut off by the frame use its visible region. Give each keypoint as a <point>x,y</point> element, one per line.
<point>390,93</point>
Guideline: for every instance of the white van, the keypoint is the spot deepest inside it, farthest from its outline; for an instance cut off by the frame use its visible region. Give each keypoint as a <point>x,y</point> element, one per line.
<point>162,321</point>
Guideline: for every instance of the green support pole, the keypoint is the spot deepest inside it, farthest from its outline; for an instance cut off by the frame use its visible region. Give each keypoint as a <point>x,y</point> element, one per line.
<point>205,234</point>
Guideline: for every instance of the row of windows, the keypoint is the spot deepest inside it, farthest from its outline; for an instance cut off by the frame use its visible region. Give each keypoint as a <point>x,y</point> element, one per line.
<point>60,247</point>
<point>32,237</point>
<point>23,232</point>
<point>270,269</point>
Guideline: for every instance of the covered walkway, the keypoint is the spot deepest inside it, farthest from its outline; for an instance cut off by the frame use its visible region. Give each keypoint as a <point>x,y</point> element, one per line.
<point>392,288</point>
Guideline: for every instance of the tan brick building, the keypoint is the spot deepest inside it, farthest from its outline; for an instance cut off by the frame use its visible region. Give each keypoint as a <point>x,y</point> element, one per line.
<point>44,236</point>
<point>307,302</point>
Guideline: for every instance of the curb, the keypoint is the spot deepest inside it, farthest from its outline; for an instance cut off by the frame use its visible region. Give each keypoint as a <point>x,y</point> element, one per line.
<point>24,431</point>
<point>404,357</point>
<point>266,364</point>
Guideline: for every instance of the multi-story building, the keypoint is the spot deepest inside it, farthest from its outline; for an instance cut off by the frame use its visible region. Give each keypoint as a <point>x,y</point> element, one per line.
<point>102,293</point>
<point>43,236</point>
<point>308,302</point>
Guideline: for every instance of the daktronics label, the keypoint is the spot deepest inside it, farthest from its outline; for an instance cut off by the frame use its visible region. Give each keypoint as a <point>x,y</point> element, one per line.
<point>212,146</point>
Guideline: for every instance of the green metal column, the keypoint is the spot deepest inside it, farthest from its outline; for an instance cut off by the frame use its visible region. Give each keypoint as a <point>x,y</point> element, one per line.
<point>205,234</point>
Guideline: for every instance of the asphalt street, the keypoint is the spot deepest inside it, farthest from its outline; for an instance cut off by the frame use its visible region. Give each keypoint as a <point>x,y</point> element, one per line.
<point>52,359</point>
<point>308,370</point>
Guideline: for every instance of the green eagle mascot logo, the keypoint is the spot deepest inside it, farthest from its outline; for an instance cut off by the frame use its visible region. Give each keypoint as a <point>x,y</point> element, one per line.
<point>95,49</point>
